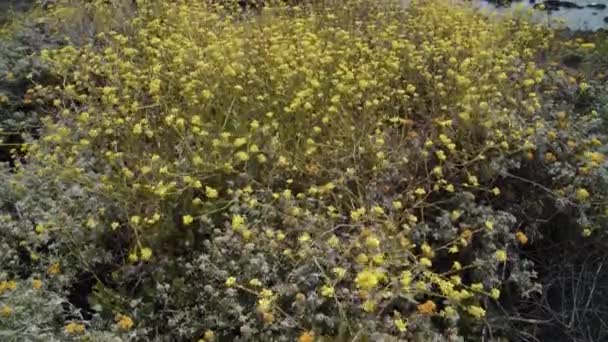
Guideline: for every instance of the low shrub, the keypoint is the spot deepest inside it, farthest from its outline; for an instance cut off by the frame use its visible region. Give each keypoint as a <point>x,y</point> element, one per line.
<point>353,169</point>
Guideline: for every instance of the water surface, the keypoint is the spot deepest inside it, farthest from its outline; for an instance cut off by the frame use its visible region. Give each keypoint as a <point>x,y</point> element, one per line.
<point>586,19</point>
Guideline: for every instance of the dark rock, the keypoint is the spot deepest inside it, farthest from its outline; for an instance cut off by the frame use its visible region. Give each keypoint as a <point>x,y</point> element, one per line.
<point>554,5</point>
<point>564,4</point>
<point>597,6</point>
<point>606,20</point>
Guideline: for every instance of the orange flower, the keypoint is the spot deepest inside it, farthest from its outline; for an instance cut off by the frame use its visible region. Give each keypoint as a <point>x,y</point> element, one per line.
<point>307,336</point>
<point>427,308</point>
<point>521,237</point>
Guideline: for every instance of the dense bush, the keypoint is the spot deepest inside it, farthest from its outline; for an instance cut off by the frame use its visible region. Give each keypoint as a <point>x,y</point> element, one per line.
<point>350,169</point>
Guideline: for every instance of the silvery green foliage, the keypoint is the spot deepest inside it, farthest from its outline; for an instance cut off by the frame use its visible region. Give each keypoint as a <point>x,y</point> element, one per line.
<point>37,314</point>
<point>20,68</point>
<point>25,255</point>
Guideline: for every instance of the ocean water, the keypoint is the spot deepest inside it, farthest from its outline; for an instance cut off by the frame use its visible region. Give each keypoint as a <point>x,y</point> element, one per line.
<point>586,19</point>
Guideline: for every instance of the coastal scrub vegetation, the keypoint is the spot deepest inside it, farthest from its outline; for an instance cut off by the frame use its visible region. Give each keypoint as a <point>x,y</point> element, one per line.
<point>311,171</point>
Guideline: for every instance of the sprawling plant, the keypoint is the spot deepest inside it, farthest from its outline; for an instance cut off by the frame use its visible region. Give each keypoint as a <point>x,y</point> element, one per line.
<point>351,168</point>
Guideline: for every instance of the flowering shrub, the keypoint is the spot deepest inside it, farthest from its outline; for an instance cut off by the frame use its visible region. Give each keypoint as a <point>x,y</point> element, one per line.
<point>352,169</point>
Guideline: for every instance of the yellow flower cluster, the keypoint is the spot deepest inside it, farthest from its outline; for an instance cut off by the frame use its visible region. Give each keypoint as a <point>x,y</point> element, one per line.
<point>124,322</point>
<point>7,285</point>
<point>74,328</point>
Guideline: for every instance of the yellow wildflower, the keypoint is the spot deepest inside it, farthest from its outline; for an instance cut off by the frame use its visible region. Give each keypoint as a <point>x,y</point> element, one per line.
<point>372,242</point>
<point>501,255</point>
<point>54,269</point>
<point>242,156</point>
<point>357,214</point>
<point>400,325</point>
<point>6,311</point>
<point>521,237</point>
<point>135,220</point>
<point>489,225</point>
<point>230,281</point>
<point>327,291</point>
<point>476,311</point>
<point>367,279</point>
<point>73,328</point>
<point>420,191</point>
<point>582,194</point>
<point>146,253</point>
<point>133,258</point>
<point>187,220</point>
<point>211,192</point>
<point>369,305</point>
<point>238,222</point>
<point>406,280</point>
<point>209,335</point>
<point>124,322</point>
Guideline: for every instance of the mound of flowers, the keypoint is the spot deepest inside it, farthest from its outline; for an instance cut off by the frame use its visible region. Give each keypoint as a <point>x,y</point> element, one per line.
<point>352,168</point>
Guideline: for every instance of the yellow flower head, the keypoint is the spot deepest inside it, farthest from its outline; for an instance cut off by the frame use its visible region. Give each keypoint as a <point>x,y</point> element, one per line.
<point>124,322</point>
<point>401,325</point>
<point>476,311</point>
<point>521,237</point>
<point>230,281</point>
<point>501,255</point>
<point>327,291</point>
<point>582,194</point>
<point>54,269</point>
<point>238,222</point>
<point>187,220</point>
<point>6,311</point>
<point>367,279</point>
<point>37,284</point>
<point>146,253</point>
<point>211,192</point>
<point>73,328</point>
<point>420,191</point>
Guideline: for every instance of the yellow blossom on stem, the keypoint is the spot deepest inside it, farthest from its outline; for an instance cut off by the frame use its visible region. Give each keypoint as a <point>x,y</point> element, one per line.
<point>73,328</point>
<point>476,311</point>
<point>521,237</point>
<point>230,281</point>
<point>187,220</point>
<point>6,311</point>
<point>500,255</point>
<point>367,280</point>
<point>582,194</point>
